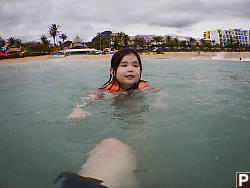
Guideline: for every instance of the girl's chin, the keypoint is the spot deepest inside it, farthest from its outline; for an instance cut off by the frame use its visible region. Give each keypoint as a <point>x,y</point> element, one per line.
<point>127,85</point>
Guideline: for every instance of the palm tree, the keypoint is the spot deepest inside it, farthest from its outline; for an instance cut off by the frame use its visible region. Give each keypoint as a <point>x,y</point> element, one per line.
<point>213,42</point>
<point>63,37</point>
<point>60,44</point>
<point>53,32</point>
<point>11,41</point>
<point>168,38</point>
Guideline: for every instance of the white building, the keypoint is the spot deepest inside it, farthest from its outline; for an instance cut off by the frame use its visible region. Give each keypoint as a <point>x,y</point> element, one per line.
<point>223,37</point>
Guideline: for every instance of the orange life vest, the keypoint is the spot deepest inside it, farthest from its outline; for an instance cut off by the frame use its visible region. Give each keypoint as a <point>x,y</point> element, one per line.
<point>113,86</point>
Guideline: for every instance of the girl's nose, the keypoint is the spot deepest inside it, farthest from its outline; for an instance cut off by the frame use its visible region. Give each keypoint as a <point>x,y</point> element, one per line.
<point>130,68</point>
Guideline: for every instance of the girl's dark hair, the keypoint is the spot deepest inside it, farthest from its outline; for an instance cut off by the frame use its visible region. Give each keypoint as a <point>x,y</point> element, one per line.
<point>116,60</point>
<point>117,57</point>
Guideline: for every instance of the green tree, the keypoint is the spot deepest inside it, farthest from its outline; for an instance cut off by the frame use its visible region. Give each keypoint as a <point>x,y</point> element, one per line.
<point>119,40</point>
<point>54,32</point>
<point>202,44</point>
<point>157,39</point>
<point>45,44</point>
<point>2,43</point>
<point>126,40</point>
<point>183,44</point>
<point>60,44</point>
<point>207,46</point>
<point>33,46</point>
<point>168,38</point>
<point>139,42</point>
<point>192,43</point>
<point>11,41</point>
<point>63,37</point>
<point>213,42</point>
<point>18,43</point>
<point>44,40</point>
<point>100,38</point>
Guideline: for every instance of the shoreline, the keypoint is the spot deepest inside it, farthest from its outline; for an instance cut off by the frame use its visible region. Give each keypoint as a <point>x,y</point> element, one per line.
<point>166,55</point>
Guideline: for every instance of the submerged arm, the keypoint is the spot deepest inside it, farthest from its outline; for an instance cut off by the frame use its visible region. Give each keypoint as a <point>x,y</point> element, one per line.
<point>78,112</point>
<point>160,101</point>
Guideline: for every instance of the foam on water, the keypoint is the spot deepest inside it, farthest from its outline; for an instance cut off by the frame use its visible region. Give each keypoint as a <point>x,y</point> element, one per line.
<point>220,56</point>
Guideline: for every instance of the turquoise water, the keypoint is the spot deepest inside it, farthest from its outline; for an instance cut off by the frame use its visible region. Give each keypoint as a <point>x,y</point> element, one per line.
<point>198,137</point>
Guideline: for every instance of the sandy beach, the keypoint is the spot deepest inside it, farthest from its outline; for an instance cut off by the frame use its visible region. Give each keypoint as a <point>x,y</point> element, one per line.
<point>166,55</point>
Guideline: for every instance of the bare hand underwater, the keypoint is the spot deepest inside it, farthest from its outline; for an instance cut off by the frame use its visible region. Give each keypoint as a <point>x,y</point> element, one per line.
<point>125,76</point>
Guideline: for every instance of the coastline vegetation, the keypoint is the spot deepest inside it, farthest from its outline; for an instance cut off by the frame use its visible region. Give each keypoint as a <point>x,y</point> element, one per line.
<point>14,47</point>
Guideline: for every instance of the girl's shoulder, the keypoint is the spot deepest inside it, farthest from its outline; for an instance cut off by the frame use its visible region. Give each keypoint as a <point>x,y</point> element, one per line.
<point>144,85</point>
<point>98,92</point>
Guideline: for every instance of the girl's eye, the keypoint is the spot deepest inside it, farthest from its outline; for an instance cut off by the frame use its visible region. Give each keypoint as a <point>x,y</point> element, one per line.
<point>135,65</point>
<point>123,65</point>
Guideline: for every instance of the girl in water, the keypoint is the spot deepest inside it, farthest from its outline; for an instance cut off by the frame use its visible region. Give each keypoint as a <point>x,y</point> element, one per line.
<point>125,76</point>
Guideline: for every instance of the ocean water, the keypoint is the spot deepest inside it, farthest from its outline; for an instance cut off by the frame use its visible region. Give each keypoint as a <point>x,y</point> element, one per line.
<point>198,136</point>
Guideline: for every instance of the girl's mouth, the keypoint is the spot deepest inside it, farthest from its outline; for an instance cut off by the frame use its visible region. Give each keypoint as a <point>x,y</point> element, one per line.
<point>130,76</point>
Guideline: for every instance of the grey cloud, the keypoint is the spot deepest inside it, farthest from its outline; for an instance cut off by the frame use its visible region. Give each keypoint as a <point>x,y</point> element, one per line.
<point>88,15</point>
<point>21,15</point>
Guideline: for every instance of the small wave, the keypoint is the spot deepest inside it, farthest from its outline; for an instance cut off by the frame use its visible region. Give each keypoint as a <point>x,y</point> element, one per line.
<point>218,57</point>
<point>160,74</point>
<point>234,77</point>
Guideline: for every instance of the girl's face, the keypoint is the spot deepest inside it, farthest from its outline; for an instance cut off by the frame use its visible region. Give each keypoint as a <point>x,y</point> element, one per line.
<point>128,72</point>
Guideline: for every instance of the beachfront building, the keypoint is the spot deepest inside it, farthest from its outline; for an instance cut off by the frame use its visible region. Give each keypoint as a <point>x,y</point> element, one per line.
<point>182,38</point>
<point>148,40</point>
<point>77,43</point>
<point>78,47</point>
<point>80,51</point>
<point>231,36</point>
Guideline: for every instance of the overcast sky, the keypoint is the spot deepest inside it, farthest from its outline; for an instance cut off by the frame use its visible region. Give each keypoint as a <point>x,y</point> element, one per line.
<point>29,19</point>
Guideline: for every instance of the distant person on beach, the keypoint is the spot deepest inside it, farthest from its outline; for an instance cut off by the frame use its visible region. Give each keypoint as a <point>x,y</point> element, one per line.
<point>125,76</point>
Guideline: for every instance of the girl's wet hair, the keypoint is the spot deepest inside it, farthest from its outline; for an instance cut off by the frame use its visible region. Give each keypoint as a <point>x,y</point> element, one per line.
<point>117,58</point>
